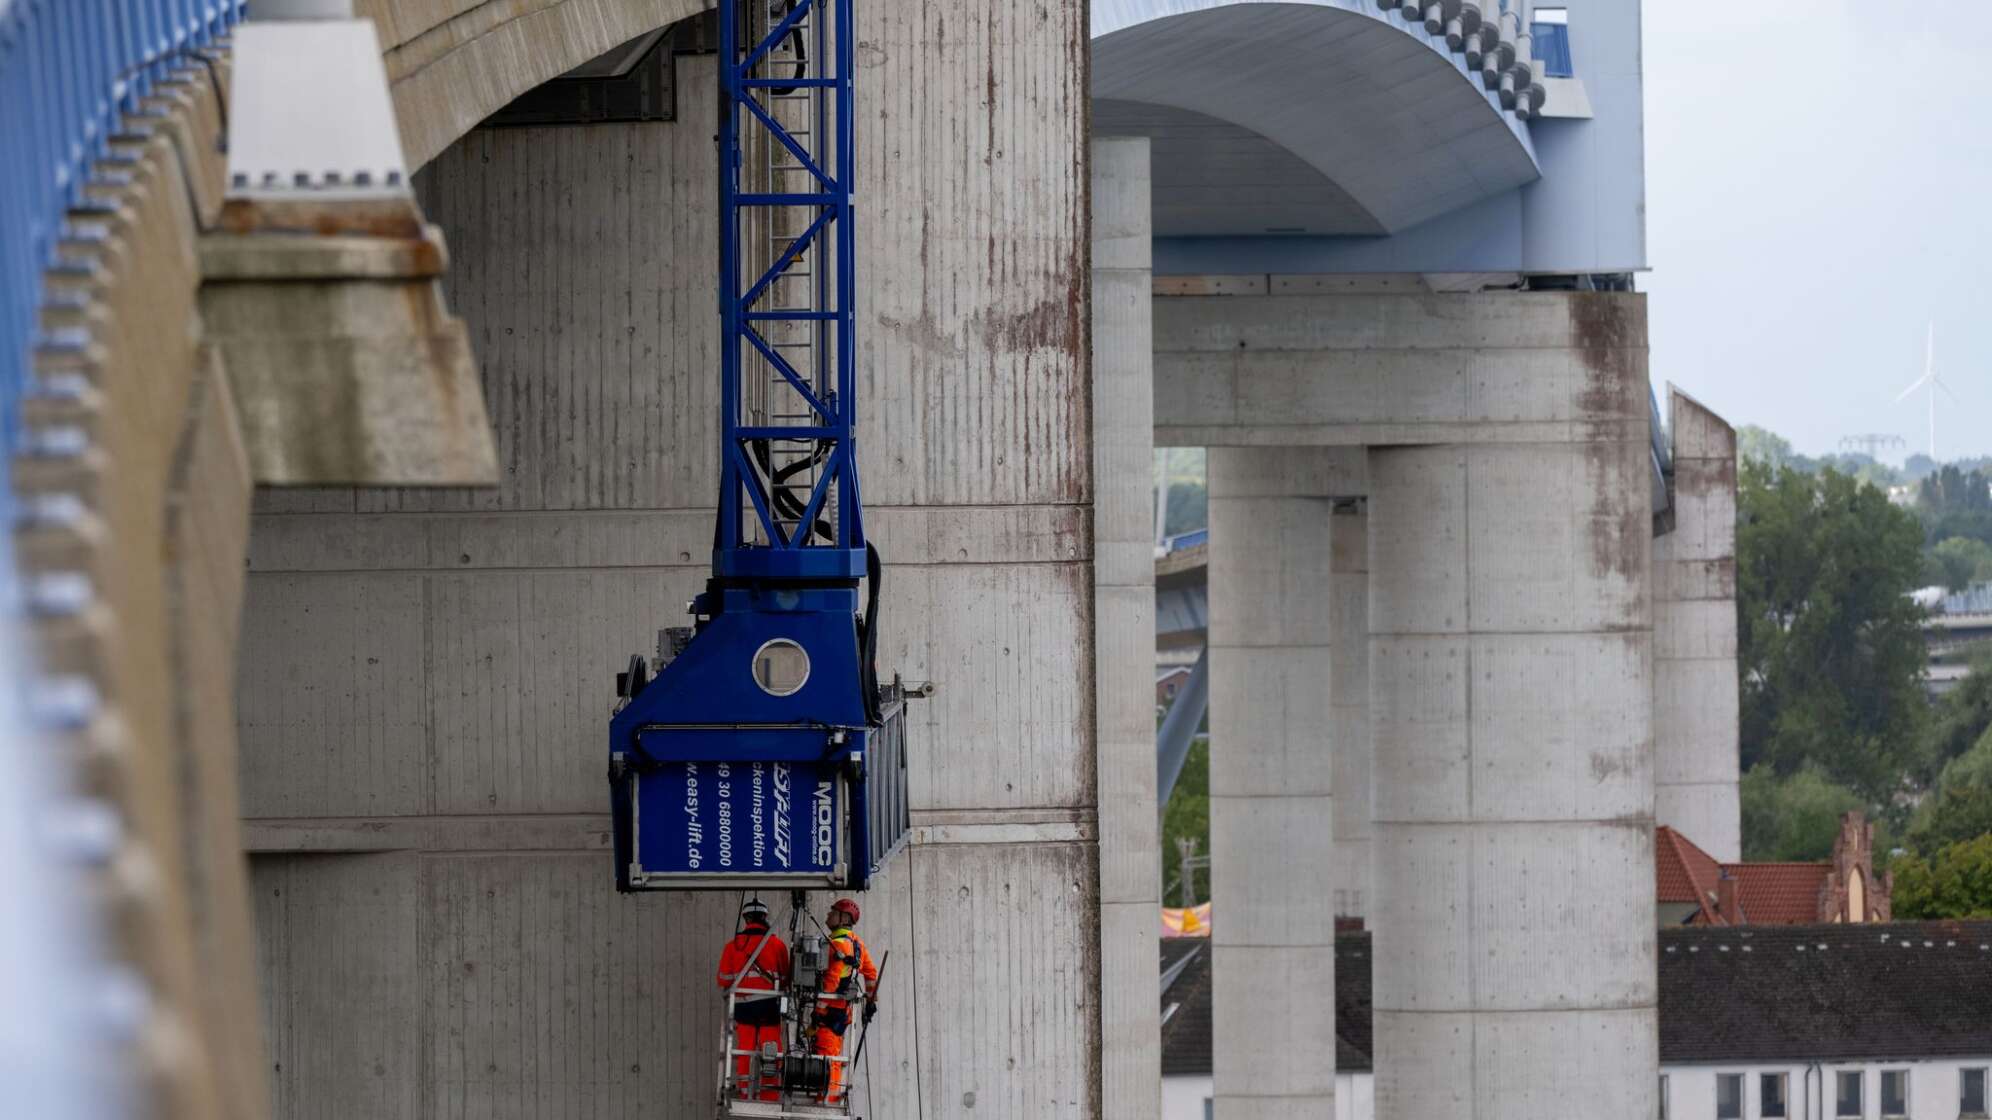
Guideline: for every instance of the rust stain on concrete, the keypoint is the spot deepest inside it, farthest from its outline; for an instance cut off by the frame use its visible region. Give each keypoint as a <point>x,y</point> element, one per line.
<point>1608,330</point>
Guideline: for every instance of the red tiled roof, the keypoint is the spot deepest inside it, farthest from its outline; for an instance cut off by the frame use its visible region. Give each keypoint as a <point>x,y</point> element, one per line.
<point>1770,894</point>
<point>1778,894</point>
<point>1684,872</point>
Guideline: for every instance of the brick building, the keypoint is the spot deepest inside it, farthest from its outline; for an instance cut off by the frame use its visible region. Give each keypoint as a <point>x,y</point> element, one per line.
<point>1695,889</point>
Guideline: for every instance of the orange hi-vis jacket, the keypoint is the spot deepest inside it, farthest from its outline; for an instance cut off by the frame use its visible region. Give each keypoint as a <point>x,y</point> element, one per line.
<point>770,971</point>
<point>849,960</point>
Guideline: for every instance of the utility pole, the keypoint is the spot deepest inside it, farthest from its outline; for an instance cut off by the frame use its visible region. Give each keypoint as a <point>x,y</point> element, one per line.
<point>1872,443</point>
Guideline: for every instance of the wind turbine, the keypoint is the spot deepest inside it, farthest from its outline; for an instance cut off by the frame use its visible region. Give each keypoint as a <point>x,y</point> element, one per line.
<point>1930,379</point>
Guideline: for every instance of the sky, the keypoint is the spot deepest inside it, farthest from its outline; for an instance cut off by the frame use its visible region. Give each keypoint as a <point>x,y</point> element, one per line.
<point>1819,182</point>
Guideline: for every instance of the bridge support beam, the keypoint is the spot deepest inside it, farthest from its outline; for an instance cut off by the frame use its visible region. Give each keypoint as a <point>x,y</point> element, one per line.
<point>1271,805</point>
<point>1511,704</point>
<point>1695,726</point>
<point>1348,706</point>
<point>1124,627</point>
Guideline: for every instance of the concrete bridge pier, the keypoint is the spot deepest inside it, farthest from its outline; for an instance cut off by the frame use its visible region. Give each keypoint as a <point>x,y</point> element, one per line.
<point>1502,441</point>
<point>1273,869</point>
<point>1348,703</point>
<point>1695,718</point>
<point>1124,626</point>
<point>1511,660</point>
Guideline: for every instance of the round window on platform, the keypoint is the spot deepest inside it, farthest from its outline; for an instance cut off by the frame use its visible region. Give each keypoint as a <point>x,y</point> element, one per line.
<point>781,667</point>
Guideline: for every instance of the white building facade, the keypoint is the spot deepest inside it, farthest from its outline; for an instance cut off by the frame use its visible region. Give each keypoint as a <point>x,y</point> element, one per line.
<point>1950,1089</point>
<point>1880,1089</point>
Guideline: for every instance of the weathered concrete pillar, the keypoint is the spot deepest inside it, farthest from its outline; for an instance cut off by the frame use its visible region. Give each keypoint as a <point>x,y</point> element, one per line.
<point>1124,627</point>
<point>426,675</point>
<point>1511,712</point>
<point>1272,785</point>
<point>1695,699</point>
<point>1348,706</point>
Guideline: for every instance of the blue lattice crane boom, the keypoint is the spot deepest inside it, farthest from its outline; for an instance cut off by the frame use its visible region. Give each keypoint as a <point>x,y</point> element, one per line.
<point>764,752</point>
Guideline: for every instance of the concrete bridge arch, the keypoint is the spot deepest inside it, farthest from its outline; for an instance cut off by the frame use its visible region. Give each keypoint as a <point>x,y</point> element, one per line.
<point>452,63</point>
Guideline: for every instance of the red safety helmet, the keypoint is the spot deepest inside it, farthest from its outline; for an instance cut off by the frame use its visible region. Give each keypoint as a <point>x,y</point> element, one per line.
<point>848,907</point>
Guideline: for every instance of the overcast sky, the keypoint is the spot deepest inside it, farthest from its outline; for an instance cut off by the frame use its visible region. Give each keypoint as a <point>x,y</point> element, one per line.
<point>1819,189</point>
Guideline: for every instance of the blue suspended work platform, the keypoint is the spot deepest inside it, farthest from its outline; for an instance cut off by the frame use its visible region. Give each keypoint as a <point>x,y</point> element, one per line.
<point>759,749</point>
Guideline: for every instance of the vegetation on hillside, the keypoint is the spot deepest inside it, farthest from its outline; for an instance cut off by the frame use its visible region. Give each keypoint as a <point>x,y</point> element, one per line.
<point>1831,661</point>
<point>1954,882</point>
<point>1829,646</point>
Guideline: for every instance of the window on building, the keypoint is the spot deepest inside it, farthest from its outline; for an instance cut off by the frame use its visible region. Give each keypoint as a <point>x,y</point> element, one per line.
<point>1849,1096</point>
<point>1663,1096</point>
<point>1895,1092</point>
<point>1551,35</point>
<point>1970,1092</point>
<point>1771,1094</point>
<point>1728,1096</point>
<point>1210,1109</point>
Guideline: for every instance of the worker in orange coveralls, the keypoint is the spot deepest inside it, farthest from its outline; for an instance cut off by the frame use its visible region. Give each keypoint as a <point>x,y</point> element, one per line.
<point>757,1019</point>
<point>850,966</point>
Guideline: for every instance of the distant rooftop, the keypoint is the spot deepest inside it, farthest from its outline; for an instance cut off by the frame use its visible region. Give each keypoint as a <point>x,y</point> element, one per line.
<point>1767,894</point>
<point>1186,1034</point>
<point>1727,994</point>
<point>1821,993</point>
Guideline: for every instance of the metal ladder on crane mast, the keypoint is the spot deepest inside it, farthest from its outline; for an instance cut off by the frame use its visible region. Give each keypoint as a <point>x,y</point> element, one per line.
<point>758,749</point>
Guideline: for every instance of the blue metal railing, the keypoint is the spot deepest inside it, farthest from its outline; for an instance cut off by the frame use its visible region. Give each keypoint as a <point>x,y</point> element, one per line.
<point>68,69</point>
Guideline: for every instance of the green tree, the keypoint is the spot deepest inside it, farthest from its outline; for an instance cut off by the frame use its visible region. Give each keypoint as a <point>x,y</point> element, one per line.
<point>1758,445</point>
<point>1972,768</point>
<point>1189,508</point>
<point>1830,648</point>
<point>1949,816</point>
<point>1961,719</point>
<point>1970,525</point>
<point>1793,817</point>
<point>1865,468</point>
<point>1954,883</point>
<point>1962,561</point>
<point>1188,815</point>
<point>1954,490</point>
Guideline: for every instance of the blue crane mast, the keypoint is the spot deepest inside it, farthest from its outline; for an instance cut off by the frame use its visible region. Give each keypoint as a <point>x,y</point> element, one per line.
<point>759,749</point>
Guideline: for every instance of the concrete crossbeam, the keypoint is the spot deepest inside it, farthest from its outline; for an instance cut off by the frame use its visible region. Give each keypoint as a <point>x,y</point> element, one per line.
<point>1384,369</point>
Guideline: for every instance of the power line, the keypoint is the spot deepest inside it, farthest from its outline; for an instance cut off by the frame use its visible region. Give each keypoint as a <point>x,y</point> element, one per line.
<point>1871,443</point>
